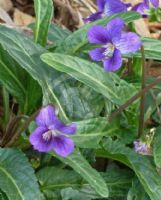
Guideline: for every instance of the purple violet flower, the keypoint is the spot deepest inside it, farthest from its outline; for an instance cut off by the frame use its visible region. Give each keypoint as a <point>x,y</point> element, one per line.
<point>107,8</point>
<point>52,134</point>
<point>113,43</point>
<point>145,5</point>
<point>142,148</point>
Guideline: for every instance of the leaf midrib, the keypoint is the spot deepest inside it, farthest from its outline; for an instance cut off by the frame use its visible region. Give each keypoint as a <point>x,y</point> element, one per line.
<point>38,19</point>
<point>13,181</point>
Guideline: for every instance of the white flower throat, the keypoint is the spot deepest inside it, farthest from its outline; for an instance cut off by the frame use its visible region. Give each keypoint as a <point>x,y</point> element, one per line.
<point>108,53</point>
<point>47,135</point>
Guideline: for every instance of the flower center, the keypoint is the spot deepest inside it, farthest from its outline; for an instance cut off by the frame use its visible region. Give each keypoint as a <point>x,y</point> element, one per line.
<point>108,53</point>
<point>47,135</point>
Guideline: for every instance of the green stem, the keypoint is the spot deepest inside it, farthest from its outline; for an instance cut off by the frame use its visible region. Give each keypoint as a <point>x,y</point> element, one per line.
<point>142,100</point>
<point>6,104</point>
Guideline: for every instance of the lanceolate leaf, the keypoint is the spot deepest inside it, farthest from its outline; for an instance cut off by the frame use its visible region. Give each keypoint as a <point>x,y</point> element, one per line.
<point>17,176</point>
<point>142,166</point>
<point>10,76</point>
<point>78,39</point>
<point>82,167</point>
<point>27,54</point>
<point>44,13</point>
<point>108,84</point>
<point>28,93</point>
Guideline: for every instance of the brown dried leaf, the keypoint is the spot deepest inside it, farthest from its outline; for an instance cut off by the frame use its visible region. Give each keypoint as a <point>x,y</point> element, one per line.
<point>141,28</point>
<point>22,19</point>
<point>6,5</point>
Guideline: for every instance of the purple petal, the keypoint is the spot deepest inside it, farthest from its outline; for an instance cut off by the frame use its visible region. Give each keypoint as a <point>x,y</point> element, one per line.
<point>98,35</point>
<point>113,63</point>
<point>146,3</point>
<point>63,146</point>
<point>128,5</point>
<point>129,43</point>
<point>36,139</point>
<point>142,148</point>
<point>114,6</point>
<point>140,7</point>
<point>63,128</point>
<point>101,4</point>
<point>97,54</point>
<point>93,17</point>
<point>46,116</point>
<point>68,129</point>
<point>155,3</point>
<point>114,29</point>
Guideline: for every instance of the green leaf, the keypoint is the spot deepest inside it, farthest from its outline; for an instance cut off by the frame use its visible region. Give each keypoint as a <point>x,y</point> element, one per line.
<point>108,84</point>
<point>56,86</point>
<point>27,54</point>
<point>56,181</point>
<point>118,181</point>
<point>81,102</point>
<point>137,192</point>
<point>44,14</point>
<point>17,177</point>
<point>57,33</point>
<point>152,49</point>
<point>3,196</point>
<point>91,131</point>
<point>157,147</point>
<point>28,93</point>
<point>52,180</point>
<point>69,193</point>
<point>78,39</point>
<point>83,168</point>
<point>151,105</point>
<point>142,165</point>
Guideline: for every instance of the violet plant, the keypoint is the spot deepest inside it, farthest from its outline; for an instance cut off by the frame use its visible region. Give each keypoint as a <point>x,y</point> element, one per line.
<point>79,118</point>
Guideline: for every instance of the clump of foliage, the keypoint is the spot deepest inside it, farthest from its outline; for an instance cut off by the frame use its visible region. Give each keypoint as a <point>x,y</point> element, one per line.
<point>76,108</point>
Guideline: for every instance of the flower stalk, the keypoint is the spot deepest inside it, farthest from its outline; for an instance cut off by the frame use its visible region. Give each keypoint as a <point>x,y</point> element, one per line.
<point>142,100</point>
<point>134,98</point>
